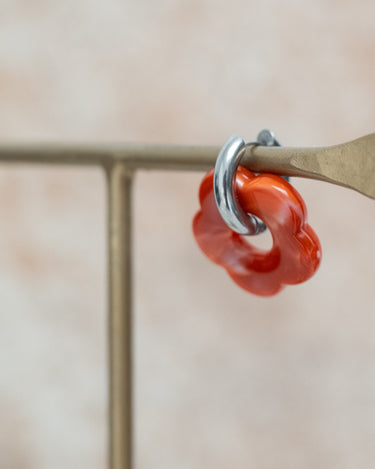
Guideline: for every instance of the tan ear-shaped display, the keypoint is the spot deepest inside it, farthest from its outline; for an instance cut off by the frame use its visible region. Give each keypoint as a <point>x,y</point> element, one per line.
<point>350,164</point>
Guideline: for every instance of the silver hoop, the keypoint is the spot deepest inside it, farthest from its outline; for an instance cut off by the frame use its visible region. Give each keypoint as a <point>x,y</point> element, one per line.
<point>224,181</point>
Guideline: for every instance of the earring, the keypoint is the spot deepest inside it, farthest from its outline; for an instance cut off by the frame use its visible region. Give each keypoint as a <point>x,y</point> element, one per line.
<point>235,202</point>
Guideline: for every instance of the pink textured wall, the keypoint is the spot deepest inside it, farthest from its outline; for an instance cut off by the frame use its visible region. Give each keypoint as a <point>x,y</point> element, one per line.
<point>223,379</point>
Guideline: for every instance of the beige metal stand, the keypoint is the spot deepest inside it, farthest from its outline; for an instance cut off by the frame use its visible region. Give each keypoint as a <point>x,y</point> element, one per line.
<point>351,165</point>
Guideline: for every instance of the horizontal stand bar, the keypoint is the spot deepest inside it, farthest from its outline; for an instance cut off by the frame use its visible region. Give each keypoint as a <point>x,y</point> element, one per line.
<point>350,164</point>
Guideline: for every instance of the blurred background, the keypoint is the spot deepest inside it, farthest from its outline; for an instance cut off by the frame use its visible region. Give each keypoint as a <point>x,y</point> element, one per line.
<point>223,379</point>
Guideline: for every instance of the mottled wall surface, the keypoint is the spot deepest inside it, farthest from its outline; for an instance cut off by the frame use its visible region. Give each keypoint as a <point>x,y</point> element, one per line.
<point>223,379</point>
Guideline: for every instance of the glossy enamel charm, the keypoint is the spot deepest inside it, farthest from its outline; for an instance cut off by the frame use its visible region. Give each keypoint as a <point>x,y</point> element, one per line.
<point>296,252</point>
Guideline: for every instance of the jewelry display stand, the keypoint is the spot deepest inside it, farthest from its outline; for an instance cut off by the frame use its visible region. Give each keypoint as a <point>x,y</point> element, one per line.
<point>351,165</point>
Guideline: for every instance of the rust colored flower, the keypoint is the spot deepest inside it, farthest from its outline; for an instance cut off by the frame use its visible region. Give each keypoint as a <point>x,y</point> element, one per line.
<point>296,251</point>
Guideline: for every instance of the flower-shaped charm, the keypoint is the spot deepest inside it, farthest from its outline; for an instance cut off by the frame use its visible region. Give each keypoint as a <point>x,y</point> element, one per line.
<point>296,252</point>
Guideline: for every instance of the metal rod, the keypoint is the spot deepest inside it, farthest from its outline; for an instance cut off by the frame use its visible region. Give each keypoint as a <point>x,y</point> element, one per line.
<point>350,164</point>
<point>120,316</point>
<point>135,156</point>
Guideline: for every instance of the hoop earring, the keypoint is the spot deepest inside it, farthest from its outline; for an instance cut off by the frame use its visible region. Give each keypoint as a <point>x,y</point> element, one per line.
<point>220,225</point>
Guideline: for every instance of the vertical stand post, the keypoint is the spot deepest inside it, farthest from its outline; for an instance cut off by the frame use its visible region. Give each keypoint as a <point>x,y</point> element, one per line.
<point>120,315</point>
